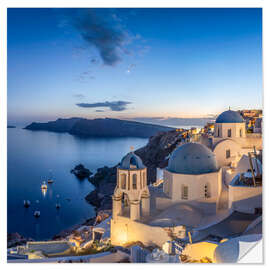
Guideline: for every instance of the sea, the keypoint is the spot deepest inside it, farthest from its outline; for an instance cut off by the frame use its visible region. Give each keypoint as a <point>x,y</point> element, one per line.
<point>34,157</point>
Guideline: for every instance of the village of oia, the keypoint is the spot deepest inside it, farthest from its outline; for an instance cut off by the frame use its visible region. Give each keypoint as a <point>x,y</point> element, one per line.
<point>134,135</point>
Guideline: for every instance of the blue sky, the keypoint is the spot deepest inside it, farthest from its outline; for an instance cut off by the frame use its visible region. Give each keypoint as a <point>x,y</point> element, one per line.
<point>132,63</point>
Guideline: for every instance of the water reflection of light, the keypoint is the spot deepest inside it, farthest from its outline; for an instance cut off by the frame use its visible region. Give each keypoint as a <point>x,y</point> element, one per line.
<point>37,229</point>
<point>50,193</point>
<point>44,191</point>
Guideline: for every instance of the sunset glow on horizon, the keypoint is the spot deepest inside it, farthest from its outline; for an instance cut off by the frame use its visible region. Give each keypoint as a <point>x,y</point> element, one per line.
<point>132,63</point>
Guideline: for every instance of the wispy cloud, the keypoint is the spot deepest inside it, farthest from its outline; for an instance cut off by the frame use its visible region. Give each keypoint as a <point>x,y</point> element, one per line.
<point>113,105</point>
<point>80,96</point>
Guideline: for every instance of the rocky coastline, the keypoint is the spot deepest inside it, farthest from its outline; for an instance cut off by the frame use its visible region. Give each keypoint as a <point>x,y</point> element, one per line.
<point>154,155</point>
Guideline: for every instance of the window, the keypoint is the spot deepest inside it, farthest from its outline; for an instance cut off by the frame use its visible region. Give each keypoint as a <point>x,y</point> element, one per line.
<point>218,132</point>
<point>207,191</point>
<point>123,181</point>
<point>134,181</point>
<point>184,192</point>
<point>228,153</point>
<point>133,163</point>
<point>229,132</point>
<point>240,132</point>
<point>125,200</point>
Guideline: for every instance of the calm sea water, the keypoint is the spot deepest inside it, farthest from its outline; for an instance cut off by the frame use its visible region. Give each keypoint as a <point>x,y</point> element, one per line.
<point>31,156</point>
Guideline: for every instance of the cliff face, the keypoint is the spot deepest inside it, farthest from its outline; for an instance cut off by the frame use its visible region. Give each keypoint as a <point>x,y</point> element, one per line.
<point>154,155</point>
<point>106,127</point>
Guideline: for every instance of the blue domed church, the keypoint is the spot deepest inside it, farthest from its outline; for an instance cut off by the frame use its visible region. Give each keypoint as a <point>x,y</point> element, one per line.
<point>195,191</point>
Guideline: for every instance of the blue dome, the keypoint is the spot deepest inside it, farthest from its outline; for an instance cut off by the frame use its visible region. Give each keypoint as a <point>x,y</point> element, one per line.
<point>192,158</point>
<point>230,117</point>
<point>131,161</point>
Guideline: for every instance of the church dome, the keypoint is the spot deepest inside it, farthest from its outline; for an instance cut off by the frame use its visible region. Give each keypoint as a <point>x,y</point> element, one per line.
<point>131,161</point>
<point>192,158</point>
<point>230,117</point>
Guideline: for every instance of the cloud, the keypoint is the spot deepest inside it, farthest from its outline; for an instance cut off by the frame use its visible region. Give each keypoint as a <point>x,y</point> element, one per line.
<point>79,96</point>
<point>116,106</point>
<point>99,111</point>
<point>101,28</point>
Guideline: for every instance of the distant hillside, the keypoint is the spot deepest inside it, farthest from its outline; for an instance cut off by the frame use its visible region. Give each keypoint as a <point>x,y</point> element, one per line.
<point>102,127</point>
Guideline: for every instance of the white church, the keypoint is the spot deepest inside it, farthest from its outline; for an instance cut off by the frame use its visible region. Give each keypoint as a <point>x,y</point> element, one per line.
<point>201,186</point>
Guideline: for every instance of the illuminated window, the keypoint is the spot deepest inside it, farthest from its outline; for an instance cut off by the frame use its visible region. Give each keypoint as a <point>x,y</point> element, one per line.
<point>228,153</point>
<point>123,181</point>
<point>229,132</point>
<point>184,192</point>
<point>134,181</point>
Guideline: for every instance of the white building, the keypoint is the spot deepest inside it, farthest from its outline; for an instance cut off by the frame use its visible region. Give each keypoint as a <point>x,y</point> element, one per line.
<point>195,192</point>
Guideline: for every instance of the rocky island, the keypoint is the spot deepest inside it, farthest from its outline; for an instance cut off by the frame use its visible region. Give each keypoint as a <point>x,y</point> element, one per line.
<point>101,127</point>
<point>81,172</point>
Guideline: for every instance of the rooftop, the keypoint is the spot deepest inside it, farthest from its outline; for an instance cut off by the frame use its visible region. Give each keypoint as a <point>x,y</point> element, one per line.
<point>192,158</point>
<point>230,117</point>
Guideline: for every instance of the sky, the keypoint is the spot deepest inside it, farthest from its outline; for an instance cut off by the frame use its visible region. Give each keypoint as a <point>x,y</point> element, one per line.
<point>148,65</point>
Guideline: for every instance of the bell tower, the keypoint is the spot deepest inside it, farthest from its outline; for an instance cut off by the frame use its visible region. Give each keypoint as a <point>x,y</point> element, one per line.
<point>131,196</point>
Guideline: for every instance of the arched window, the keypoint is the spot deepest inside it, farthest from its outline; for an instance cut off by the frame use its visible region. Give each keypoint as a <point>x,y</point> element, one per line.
<point>133,163</point>
<point>134,181</point>
<point>240,132</point>
<point>207,193</point>
<point>125,200</point>
<point>184,192</point>
<point>228,153</point>
<point>123,181</point>
<point>218,132</point>
<point>229,132</point>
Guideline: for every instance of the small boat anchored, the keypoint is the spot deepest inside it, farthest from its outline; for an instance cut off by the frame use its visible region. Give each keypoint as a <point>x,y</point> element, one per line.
<point>50,179</point>
<point>44,186</point>
<point>37,214</point>
<point>58,205</point>
<point>26,203</point>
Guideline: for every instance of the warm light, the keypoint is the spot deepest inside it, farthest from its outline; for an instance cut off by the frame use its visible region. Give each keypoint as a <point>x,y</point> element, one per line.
<point>120,236</point>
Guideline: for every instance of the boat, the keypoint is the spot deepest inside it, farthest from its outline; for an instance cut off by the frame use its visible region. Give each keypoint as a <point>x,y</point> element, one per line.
<point>50,179</point>
<point>26,203</point>
<point>37,214</point>
<point>58,205</point>
<point>44,186</point>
